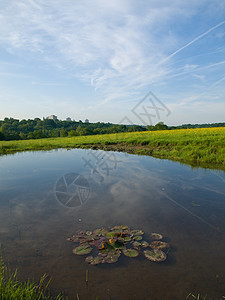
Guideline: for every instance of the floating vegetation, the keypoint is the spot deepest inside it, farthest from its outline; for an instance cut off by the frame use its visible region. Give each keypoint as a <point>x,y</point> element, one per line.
<point>82,250</point>
<point>93,260</point>
<point>136,245</point>
<point>156,236</point>
<point>137,238</point>
<point>144,244</point>
<point>155,255</point>
<point>159,245</point>
<point>131,252</point>
<point>108,244</point>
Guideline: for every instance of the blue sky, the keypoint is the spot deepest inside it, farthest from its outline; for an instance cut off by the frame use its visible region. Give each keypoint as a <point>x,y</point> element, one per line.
<point>98,59</point>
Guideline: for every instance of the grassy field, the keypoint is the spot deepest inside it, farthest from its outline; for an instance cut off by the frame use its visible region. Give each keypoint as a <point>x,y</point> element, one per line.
<point>202,146</point>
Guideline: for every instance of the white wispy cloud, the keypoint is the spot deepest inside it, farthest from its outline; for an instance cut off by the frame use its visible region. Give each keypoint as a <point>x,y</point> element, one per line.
<point>118,47</point>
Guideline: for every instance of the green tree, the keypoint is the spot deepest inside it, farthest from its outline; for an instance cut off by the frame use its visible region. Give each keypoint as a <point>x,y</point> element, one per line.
<point>2,136</point>
<point>72,133</point>
<point>63,132</point>
<point>160,126</point>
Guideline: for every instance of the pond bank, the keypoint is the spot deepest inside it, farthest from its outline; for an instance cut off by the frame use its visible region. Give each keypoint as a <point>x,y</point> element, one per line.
<point>204,147</point>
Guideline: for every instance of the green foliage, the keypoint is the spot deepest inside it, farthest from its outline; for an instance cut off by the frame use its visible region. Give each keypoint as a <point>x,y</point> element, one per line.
<point>203,147</point>
<point>12,129</point>
<point>12,289</point>
<point>63,133</point>
<point>158,126</point>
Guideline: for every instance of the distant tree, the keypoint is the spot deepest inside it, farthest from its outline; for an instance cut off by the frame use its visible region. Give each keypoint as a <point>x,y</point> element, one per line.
<point>30,135</point>
<point>82,130</point>
<point>22,136</point>
<point>72,133</point>
<point>2,136</point>
<point>160,126</point>
<point>63,132</point>
<point>150,127</point>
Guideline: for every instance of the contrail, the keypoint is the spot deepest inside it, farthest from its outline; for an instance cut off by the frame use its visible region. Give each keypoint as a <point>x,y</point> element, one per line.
<point>193,41</point>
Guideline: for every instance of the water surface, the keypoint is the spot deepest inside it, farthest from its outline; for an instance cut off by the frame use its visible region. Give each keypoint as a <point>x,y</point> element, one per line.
<point>186,205</point>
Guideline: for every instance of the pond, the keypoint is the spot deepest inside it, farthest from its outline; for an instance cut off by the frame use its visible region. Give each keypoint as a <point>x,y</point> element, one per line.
<point>40,207</point>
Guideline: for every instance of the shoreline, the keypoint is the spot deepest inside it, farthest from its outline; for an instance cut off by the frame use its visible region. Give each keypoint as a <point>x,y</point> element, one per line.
<point>196,147</point>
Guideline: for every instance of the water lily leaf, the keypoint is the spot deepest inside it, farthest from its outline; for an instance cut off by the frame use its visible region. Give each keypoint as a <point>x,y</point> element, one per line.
<point>159,245</point>
<point>155,255</point>
<point>76,237</point>
<point>137,232</point>
<point>137,238</point>
<point>109,246</point>
<point>85,239</point>
<point>119,245</point>
<point>93,260</point>
<point>97,243</point>
<point>82,250</point>
<point>130,252</point>
<point>111,234</point>
<point>112,257</point>
<point>88,232</point>
<point>156,236</point>
<point>144,244</point>
<point>100,231</point>
<point>127,239</point>
<point>104,251</point>
<point>136,245</point>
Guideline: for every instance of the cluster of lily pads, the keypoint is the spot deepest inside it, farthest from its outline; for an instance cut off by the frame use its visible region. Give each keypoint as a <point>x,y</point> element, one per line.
<point>108,245</point>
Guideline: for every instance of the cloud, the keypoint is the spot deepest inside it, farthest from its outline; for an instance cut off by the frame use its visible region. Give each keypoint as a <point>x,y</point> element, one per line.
<point>119,48</point>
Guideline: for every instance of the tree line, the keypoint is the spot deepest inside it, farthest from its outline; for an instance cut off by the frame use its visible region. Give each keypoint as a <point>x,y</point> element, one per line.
<point>14,129</point>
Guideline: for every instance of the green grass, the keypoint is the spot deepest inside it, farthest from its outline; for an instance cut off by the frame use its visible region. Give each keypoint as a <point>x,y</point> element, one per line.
<point>202,146</point>
<point>12,289</point>
<point>200,297</point>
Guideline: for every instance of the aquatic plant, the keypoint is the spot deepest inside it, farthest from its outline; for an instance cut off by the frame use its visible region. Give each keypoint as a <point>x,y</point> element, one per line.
<point>155,255</point>
<point>108,244</point>
<point>159,245</point>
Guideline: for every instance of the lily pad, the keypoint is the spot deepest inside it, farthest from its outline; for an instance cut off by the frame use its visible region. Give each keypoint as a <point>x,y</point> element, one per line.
<point>137,232</point>
<point>144,244</point>
<point>136,245</point>
<point>97,243</point>
<point>108,244</point>
<point>112,257</point>
<point>100,231</point>
<point>82,250</point>
<point>88,232</point>
<point>127,239</point>
<point>89,259</point>
<point>76,238</point>
<point>155,255</point>
<point>159,245</point>
<point>119,245</point>
<point>131,253</point>
<point>93,260</point>
<point>111,234</point>
<point>156,236</point>
<point>86,239</point>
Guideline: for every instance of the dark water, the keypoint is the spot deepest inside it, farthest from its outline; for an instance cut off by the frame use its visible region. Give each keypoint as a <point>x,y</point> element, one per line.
<point>186,205</point>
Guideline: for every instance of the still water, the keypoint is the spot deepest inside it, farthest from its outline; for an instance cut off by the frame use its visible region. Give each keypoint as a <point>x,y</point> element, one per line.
<point>185,205</point>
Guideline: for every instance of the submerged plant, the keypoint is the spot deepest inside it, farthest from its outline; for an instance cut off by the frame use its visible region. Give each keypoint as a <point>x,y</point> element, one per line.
<point>107,244</point>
